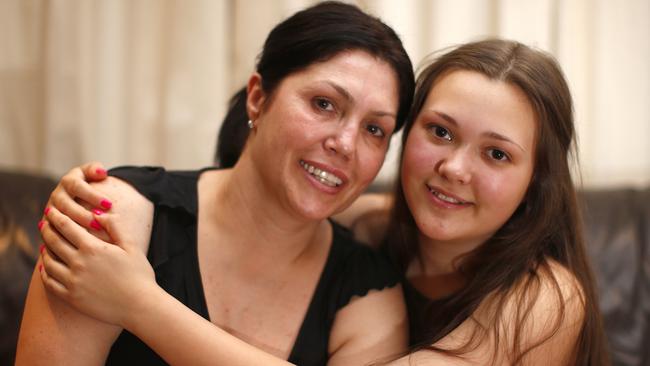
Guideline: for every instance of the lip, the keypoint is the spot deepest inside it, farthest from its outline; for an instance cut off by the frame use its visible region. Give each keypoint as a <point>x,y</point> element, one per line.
<point>442,203</point>
<point>340,174</point>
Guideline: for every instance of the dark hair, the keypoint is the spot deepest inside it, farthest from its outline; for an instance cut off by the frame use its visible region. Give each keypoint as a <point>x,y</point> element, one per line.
<point>545,226</point>
<point>233,132</point>
<point>317,34</point>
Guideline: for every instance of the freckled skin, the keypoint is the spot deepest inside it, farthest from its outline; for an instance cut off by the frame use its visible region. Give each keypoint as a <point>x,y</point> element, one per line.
<point>307,118</point>
<point>467,160</point>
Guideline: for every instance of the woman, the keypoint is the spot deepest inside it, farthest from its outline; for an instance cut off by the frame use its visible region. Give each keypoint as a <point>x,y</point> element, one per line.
<point>484,227</point>
<point>332,84</point>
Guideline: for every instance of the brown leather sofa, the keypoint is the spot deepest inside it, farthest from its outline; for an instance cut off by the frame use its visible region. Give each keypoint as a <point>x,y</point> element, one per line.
<point>617,224</point>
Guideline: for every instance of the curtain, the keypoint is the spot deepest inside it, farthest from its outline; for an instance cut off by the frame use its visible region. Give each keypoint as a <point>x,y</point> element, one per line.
<point>146,82</point>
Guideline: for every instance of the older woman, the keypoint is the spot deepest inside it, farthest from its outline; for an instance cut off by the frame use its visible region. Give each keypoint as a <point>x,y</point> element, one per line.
<point>250,248</point>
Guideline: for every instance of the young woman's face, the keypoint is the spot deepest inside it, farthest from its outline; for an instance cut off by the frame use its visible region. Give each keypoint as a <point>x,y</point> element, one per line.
<point>469,158</point>
<point>322,136</point>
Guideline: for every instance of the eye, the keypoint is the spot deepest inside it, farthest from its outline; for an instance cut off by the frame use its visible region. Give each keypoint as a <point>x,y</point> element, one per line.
<point>323,104</point>
<point>441,132</point>
<point>375,130</point>
<point>499,155</point>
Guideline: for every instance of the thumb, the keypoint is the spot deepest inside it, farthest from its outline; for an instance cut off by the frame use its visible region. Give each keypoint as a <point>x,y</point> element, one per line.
<point>109,224</point>
<point>94,171</point>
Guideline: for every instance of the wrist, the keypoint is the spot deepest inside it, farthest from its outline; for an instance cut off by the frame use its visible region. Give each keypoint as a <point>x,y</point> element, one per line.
<point>145,303</point>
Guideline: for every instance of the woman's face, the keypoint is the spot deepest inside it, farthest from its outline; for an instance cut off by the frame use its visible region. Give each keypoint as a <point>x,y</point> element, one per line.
<point>322,135</point>
<point>469,158</point>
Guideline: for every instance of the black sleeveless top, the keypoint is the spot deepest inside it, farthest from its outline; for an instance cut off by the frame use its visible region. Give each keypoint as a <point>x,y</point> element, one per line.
<point>351,269</point>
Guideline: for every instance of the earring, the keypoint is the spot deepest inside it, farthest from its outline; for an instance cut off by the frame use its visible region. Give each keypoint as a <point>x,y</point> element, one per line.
<point>250,124</point>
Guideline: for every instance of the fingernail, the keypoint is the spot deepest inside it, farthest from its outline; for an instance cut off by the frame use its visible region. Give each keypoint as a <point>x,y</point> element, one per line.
<point>100,171</point>
<point>47,209</point>
<point>95,225</point>
<point>41,248</point>
<point>40,267</point>
<point>97,211</point>
<point>106,204</point>
<point>40,224</point>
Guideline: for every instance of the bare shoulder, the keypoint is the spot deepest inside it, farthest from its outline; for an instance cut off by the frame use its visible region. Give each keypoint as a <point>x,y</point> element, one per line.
<point>132,211</point>
<point>53,332</point>
<point>367,217</point>
<point>538,322</point>
<point>357,337</point>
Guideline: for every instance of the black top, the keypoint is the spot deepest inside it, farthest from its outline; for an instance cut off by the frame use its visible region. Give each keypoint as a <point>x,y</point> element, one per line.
<point>351,269</point>
<point>425,322</point>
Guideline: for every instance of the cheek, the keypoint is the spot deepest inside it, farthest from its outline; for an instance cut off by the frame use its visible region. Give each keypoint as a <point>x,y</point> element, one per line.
<point>419,158</point>
<point>370,159</point>
<point>507,190</point>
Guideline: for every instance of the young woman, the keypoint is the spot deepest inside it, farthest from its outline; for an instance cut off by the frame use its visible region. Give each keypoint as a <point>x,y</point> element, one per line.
<point>250,248</point>
<point>484,224</point>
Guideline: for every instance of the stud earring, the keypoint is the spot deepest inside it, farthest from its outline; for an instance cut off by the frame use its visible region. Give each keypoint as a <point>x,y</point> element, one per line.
<point>250,124</point>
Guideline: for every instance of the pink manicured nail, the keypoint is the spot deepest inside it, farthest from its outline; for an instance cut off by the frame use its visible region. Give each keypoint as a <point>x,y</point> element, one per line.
<point>97,211</point>
<point>100,171</point>
<point>41,248</point>
<point>95,225</point>
<point>47,209</point>
<point>40,224</point>
<point>106,204</point>
<point>40,268</point>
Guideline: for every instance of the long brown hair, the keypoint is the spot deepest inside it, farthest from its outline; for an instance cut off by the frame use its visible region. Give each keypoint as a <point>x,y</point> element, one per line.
<point>545,226</point>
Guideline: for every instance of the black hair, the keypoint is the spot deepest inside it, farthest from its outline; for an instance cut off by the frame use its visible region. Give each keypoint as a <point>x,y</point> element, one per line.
<point>313,35</point>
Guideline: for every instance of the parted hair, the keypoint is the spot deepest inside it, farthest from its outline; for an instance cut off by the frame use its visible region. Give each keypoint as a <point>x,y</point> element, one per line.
<point>316,34</point>
<point>546,226</point>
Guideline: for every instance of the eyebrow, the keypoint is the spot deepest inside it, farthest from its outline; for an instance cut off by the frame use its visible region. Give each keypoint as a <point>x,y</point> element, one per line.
<point>341,90</point>
<point>493,135</point>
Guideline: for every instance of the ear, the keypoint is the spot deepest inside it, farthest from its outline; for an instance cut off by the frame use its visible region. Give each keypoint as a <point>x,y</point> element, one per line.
<point>255,96</point>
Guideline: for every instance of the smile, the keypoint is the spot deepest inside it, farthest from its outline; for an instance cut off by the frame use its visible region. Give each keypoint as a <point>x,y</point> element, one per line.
<point>323,176</point>
<point>445,198</point>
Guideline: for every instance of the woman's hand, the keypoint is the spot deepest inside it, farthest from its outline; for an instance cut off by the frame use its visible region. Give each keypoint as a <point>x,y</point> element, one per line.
<point>77,199</point>
<point>100,279</point>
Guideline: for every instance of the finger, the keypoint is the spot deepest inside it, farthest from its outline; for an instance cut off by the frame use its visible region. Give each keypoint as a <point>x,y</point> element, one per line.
<point>66,204</point>
<point>94,171</point>
<point>75,234</point>
<point>56,269</point>
<point>76,186</point>
<point>51,284</point>
<point>57,244</point>
<point>107,222</point>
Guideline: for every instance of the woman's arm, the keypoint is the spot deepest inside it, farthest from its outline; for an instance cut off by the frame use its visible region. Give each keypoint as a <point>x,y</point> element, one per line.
<point>367,217</point>
<point>121,289</point>
<point>370,328</point>
<point>52,332</point>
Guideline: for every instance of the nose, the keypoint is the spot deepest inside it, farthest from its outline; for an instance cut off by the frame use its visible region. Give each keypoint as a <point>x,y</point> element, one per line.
<point>456,166</point>
<point>343,140</point>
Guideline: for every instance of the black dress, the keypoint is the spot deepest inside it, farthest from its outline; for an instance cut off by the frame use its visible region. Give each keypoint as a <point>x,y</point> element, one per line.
<point>351,269</point>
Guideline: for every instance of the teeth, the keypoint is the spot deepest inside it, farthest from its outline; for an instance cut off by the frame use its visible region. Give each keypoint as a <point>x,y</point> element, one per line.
<point>444,198</point>
<point>325,177</point>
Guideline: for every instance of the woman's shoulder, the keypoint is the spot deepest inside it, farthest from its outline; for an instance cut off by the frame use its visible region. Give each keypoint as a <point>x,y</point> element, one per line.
<point>537,322</point>
<point>367,217</point>
<point>540,318</point>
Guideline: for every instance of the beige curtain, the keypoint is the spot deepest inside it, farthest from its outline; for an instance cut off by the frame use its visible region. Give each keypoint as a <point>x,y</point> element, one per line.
<point>147,81</point>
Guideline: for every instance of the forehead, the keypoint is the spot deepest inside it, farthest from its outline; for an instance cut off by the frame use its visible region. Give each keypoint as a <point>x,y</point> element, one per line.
<point>483,104</point>
<point>358,72</point>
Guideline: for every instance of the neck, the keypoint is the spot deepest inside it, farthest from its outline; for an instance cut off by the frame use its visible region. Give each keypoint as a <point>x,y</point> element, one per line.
<point>435,272</point>
<point>252,218</point>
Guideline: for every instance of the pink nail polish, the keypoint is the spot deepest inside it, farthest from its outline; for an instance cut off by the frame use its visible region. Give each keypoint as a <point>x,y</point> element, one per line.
<point>95,225</point>
<point>41,248</point>
<point>100,171</point>
<point>47,209</point>
<point>40,268</point>
<point>40,224</point>
<point>97,211</point>
<point>106,204</point>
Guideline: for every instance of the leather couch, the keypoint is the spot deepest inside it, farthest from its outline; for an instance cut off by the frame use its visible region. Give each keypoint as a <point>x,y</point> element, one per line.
<point>617,224</point>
